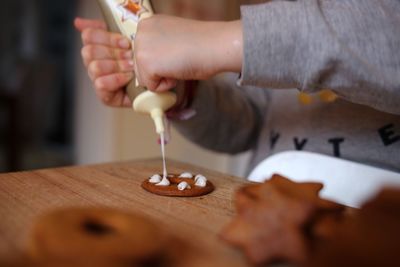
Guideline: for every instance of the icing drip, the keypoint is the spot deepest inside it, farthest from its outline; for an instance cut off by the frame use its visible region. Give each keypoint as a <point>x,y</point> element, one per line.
<point>155,179</point>
<point>162,138</point>
<point>183,185</point>
<point>201,181</point>
<point>186,175</point>
<point>164,182</point>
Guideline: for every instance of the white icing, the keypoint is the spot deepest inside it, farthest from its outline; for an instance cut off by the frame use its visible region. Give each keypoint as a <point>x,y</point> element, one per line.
<point>186,175</point>
<point>199,176</point>
<point>164,182</point>
<point>201,181</point>
<point>162,139</point>
<point>183,185</point>
<point>155,179</point>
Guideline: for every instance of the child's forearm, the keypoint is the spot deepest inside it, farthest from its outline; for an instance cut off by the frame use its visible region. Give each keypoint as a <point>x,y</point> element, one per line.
<point>227,45</point>
<point>350,47</point>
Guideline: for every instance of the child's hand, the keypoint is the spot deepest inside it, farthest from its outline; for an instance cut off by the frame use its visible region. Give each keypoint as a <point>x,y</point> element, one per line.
<point>168,49</point>
<point>109,60</point>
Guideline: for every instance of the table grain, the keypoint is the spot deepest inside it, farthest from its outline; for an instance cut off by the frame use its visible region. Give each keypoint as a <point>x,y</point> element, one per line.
<point>26,195</point>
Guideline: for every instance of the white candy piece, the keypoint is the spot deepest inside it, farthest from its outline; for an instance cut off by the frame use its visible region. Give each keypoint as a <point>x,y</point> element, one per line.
<point>199,176</point>
<point>186,175</point>
<point>155,179</point>
<point>183,185</point>
<point>201,181</point>
<point>164,182</point>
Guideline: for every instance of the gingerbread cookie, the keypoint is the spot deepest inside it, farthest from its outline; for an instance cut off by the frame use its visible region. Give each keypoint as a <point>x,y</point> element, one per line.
<point>274,219</point>
<point>95,237</point>
<point>183,185</point>
<point>368,237</point>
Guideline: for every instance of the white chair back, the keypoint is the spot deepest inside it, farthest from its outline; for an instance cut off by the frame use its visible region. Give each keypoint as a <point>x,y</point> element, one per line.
<point>345,182</point>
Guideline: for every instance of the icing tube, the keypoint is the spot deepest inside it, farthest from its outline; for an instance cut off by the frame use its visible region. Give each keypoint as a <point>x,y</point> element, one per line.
<point>123,16</point>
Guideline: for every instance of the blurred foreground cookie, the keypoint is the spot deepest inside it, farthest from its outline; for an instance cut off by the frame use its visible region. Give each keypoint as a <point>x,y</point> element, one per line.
<point>174,185</point>
<point>275,219</point>
<point>95,237</point>
<point>369,237</point>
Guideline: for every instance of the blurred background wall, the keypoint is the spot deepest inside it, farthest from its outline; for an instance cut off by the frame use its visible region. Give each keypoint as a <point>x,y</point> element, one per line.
<point>49,114</point>
<point>36,83</point>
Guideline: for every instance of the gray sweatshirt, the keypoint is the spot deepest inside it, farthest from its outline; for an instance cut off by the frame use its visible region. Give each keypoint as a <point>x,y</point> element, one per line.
<point>348,46</point>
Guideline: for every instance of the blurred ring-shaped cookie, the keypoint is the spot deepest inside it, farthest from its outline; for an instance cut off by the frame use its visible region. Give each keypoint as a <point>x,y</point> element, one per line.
<point>95,236</point>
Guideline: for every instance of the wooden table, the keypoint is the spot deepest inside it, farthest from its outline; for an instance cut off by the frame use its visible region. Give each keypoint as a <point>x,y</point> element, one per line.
<point>25,195</point>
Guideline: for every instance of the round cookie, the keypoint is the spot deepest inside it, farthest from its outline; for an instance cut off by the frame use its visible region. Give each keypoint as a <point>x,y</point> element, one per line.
<point>96,236</point>
<point>173,191</point>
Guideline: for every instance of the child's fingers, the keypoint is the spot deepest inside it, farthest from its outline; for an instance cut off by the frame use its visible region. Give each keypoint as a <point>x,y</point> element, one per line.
<point>109,89</point>
<point>99,52</point>
<point>153,82</point>
<point>114,99</point>
<point>113,82</point>
<point>82,24</point>
<point>98,68</point>
<point>102,37</point>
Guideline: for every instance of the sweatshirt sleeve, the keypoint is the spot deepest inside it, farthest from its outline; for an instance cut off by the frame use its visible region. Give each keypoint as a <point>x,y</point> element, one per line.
<point>228,117</point>
<point>348,46</point>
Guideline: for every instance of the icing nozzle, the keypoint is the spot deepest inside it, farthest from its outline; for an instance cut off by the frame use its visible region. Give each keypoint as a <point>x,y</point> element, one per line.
<point>158,117</point>
<point>155,104</point>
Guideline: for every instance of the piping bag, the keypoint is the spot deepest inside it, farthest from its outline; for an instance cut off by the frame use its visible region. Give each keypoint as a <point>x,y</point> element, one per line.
<point>123,16</point>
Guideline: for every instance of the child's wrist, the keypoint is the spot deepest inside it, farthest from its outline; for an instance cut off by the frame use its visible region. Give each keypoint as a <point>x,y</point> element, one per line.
<point>229,47</point>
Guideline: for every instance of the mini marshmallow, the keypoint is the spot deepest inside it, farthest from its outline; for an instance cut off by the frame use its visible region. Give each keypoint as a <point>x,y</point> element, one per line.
<point>183,185</point>
<point>201,181</point>
<point>186,175</point>
<point>155,179</point>
<point>164,182</point>
<point>199,176</point>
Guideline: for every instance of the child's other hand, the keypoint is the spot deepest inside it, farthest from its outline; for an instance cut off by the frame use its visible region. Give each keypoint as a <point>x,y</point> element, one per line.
<point>168,49</point>
<point>109,60</point>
